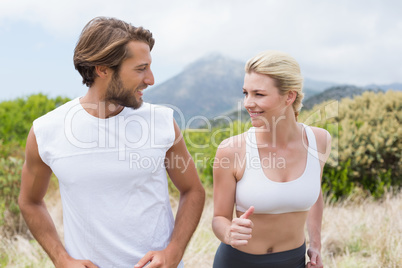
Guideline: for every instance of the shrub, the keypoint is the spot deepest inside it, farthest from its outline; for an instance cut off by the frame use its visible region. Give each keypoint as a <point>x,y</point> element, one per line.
<point>16,119</point>
<point>16,116</point>
<point>367,143</point>
<point>10,174</point>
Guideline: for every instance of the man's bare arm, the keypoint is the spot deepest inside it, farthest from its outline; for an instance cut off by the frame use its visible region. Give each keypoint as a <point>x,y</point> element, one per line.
<point>34,183</point>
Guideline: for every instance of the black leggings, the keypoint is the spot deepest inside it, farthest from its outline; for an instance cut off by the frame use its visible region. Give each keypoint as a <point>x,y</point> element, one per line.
<point>229,257</point>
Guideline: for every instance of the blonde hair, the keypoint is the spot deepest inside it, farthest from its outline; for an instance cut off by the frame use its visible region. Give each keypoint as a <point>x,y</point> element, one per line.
<point>283,69</point>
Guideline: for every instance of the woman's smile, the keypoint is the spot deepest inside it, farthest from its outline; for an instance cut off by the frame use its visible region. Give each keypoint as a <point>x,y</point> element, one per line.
<point>254,113</point>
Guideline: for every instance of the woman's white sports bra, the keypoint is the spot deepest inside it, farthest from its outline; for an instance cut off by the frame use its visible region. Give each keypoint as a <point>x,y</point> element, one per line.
<point>270,197</point>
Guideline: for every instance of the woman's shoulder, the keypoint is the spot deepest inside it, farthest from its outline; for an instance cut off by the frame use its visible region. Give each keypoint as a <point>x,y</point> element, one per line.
<point>232,145</point>
<point>323,139</point>
<point>321,135</point>
<point>230,152</point>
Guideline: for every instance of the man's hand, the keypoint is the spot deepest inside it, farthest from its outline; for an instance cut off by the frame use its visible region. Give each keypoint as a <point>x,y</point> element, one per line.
<point>156,259</point>
<point>73,263</point>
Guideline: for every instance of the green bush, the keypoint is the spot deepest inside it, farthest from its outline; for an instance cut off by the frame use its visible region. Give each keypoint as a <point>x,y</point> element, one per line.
<point>367,145</point>
<point>336,182</point>
<point>10,175</point>
<point>16,116</point>
<point>16,119</point>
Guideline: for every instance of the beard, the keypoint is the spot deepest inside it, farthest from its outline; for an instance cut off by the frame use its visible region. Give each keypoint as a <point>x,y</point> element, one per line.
<point>116,93</point>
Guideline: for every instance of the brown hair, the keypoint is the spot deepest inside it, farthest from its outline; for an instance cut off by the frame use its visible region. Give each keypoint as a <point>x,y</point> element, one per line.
<point>283,69</point>
<point>103,42</point>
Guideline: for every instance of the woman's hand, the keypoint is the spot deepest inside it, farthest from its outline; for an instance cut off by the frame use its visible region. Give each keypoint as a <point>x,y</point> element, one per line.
<point>241,229</point>
<point>315,258</point>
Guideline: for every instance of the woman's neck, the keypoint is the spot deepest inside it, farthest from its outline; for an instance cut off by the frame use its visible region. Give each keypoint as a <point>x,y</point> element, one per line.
<point>279,131</point>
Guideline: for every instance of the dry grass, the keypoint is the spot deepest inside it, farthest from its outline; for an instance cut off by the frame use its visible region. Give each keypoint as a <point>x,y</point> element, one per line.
<point>363,233</point>
<point>21,252</point>
<point>357,232</point>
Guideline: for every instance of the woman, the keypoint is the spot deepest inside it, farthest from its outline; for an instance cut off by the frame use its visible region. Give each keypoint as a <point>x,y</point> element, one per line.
<point>272,174</point>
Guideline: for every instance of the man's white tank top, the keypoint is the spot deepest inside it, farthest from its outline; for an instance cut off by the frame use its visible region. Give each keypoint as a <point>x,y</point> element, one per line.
<point>270,197</point>
<point>112,180</point>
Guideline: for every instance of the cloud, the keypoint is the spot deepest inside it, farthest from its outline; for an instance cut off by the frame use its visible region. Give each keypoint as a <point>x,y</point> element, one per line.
<point>342,41</point>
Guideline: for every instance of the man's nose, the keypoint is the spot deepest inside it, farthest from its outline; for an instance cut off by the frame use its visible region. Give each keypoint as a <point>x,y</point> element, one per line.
<point>149,79</point>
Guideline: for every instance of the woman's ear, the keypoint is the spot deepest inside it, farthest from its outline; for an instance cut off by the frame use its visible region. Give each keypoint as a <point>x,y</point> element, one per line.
<point>292,95</point>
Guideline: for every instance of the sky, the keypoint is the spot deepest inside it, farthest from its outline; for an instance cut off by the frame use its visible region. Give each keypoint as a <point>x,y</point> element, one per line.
<point>350,42</point>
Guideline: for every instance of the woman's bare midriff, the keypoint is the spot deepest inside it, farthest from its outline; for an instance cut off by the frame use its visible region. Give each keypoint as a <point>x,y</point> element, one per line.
<point>275,232</point>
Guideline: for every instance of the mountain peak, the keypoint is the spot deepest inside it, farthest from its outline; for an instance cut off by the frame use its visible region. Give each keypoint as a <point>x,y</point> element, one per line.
<point>209,87</point>
<point>214,60</point>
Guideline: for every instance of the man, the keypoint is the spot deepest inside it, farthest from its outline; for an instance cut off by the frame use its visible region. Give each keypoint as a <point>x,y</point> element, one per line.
<point>110,153</point>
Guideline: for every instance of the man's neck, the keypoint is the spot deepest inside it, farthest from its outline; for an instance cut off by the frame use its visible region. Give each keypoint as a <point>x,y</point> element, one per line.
<point>93,102</point>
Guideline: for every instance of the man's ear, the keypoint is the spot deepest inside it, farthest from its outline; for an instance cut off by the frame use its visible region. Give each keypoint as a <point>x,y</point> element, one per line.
<point>292,95</point>
<point>102,71</point>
